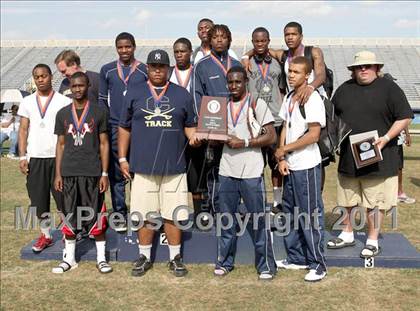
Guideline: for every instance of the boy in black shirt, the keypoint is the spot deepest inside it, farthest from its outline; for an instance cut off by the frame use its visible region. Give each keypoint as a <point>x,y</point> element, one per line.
<point>82,151</point>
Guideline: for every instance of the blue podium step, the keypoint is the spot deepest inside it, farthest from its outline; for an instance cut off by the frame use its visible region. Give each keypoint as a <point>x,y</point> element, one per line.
<point>200,247</point>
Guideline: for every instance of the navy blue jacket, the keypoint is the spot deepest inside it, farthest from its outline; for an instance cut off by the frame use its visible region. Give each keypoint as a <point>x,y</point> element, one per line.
<point>209,79</point>
<point>111,84</point>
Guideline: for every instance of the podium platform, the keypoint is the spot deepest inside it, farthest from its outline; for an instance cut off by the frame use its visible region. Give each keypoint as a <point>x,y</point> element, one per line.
<point>200,247</point>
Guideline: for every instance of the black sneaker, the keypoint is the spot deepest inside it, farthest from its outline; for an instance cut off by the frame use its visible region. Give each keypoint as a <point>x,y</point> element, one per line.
<point>177,266</point>
<point>140,266</point>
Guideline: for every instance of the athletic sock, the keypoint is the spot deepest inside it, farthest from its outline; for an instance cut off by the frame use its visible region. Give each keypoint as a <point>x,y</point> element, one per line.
<point>46,231</point>
<point>347,237</point>
<point>174,250</point>
<point>372,242</point>
<point>145,250</point>
<point>100,251</point>
<point>70,251</point>
<point>277,195</point>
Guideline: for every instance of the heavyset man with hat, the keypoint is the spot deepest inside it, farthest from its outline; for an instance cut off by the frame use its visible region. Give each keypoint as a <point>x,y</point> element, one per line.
<point>368,102</point>
<point>156,120</point>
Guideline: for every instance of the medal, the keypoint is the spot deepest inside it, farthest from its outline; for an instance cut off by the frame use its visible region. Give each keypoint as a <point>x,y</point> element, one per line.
<point>157,98</point>
<point>43,109</point>
<point>266,88</point>
<point>264,76</point>
<point>125,92</point>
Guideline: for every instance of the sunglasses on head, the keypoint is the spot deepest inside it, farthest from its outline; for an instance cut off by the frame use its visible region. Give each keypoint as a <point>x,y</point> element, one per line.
<point>360,67</point>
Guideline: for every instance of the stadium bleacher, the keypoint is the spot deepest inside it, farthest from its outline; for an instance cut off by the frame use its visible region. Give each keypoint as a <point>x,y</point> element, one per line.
<point>401,58</point>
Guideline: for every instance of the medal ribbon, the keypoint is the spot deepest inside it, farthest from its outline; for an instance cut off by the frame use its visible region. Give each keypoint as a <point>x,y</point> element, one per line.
<point>43,109</point>
<point>219,63</point>
<point>78,123</point>
<point>264,71</point>
<point>236,112</point>
<point>133,67</point>
<point>184,83</point>
<point>157,97</point>
<point>291,107</point>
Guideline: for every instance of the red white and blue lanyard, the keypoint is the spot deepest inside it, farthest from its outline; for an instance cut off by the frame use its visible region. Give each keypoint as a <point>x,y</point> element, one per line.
<point>235,110</point>
<point>43,109</point>
<point>220,64</point>
<point>133,67</point>
<point>184,83</point>
<point>157,98</point>
<point>78,122</point>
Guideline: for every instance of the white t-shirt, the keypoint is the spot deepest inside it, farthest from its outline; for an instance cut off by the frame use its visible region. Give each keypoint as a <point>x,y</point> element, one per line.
<point>183,75</point>
<point>244,162</point>
<point>296,127</point>
<point>200,55</point>
<point>41,138</point>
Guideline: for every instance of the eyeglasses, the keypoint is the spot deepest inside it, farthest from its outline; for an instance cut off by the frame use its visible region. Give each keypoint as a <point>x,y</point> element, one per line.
<point>360,67</point>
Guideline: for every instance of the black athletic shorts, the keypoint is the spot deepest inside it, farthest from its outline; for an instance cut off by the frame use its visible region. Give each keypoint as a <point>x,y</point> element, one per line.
<point>269,151</point>
<point>40,183</point>
<point>82,199</point>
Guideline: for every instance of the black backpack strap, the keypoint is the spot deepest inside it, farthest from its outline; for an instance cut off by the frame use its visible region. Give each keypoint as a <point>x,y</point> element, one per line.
<point>282,78</point>
<point>307,52</point>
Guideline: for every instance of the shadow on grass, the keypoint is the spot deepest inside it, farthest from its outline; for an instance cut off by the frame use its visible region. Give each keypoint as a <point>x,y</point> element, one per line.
<point>411,158</point>
<point>415,181</point>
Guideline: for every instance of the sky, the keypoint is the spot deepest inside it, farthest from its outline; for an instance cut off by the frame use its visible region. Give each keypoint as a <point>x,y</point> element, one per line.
<point>33,20</point>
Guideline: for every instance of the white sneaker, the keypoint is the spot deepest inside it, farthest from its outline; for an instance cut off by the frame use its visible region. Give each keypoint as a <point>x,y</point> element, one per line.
<point>284,264</point>
<point>265,276</point>
<point>314,276</point>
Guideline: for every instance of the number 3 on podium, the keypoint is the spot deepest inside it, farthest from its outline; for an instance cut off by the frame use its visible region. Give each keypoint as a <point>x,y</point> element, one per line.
<point>369,263</point>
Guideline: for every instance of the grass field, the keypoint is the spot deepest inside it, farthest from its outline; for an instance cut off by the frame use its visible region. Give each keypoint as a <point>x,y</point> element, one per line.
<point>30,285</point>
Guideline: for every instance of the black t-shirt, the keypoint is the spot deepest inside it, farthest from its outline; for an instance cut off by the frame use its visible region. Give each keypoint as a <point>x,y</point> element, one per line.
<point>366,108</point>
<point>81,150</point>
<point>93,91</point>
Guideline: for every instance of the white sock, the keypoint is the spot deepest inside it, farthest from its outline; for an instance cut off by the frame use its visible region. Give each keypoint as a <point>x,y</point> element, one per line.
<point>100,251</point>
<point>277,195</point>
<point>145,250</point>
<point>174,250</point>
<point>347,237</point>
<point>70,252</point>
<point>46,232</point>
<point>372,242</point>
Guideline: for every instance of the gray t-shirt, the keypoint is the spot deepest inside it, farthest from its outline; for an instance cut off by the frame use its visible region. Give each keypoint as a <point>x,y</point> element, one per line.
<point>244,162</point>
<point>268,89</point>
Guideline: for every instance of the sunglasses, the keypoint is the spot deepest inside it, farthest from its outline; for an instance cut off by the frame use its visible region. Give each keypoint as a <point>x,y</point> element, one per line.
<point>360,67</point>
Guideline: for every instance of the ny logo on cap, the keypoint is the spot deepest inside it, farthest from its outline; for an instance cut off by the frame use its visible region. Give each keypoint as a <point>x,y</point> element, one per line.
<point>157,56</point>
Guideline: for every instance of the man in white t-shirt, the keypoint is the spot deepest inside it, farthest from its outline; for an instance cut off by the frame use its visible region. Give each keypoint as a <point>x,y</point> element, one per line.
<point>300,164</point>
<point>37,148</point>
<point>240,176</point>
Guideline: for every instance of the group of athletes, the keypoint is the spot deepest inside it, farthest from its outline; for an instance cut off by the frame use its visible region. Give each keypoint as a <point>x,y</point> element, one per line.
<point>137,122</point>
